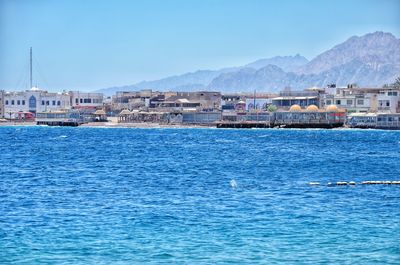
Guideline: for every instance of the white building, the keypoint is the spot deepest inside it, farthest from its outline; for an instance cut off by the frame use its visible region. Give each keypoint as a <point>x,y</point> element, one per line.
<point>388,101</point>
<point>34,100</point>
<point>37,100</point>
<point>351,102</point>
<point>383,100</point>
<point>86,100</point>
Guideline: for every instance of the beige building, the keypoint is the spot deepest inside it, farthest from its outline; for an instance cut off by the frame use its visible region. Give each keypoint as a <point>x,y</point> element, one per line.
<point>166,101</point>
<point>208,100</point>
<point>384,100</point>
<point>134,99</point>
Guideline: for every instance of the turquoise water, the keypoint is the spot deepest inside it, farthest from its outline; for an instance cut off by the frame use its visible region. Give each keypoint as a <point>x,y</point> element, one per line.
<point>134,196</point>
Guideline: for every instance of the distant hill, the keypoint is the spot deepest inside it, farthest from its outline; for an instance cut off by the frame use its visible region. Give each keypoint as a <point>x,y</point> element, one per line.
<point>376,50</point>
<point>186,82</point>
<point>369,60</point>
<point>286,63</point>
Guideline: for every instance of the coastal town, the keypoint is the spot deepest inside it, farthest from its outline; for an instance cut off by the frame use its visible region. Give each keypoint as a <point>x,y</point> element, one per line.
<point>351,106</point>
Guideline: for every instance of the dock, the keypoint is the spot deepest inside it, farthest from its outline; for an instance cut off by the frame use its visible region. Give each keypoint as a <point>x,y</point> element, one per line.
<point>242,124</point>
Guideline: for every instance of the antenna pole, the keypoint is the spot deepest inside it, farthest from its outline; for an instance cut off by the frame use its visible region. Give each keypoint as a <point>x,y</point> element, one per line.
<point>254,103</point>
<point>30,64</point>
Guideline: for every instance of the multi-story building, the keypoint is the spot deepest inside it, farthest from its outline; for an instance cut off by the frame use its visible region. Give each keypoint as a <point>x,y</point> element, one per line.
<point>365,99</point>
<point>351,102</point>
<point>167,101</point>
<point>37,100</point>
<point>86,100</point>
<point>209,100</point>
<point>137,99</point>
<point>388,100</point>
<point>33,101</point>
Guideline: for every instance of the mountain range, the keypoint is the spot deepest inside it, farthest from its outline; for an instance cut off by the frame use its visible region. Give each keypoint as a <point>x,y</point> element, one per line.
<point>369,60</point>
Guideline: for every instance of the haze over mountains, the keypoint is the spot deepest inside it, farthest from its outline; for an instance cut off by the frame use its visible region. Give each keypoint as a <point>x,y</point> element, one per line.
<point>369,60</point>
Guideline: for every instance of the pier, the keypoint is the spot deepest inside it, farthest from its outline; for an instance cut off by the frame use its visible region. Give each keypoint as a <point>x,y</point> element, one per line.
<point>242,124</point>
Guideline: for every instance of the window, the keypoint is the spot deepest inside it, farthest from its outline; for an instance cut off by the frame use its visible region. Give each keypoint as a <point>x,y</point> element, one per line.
<point>18,102</point>
<point>58,103</point>
<point>6,102</point>
<point>360,102</point>
<point>43,102</point>
<point>23,102</point>
<point>76,101</point>
<point>87,100</point>
<point>81,100</point>
<point>392,93</point>
<point>47,102</point>
<point>387,104</point>
<point>349,102</point>
<point>338,102</point>
<point>12,102</point>
<point>32,103</point>
<point>54,102</point>
<point>329,102</point>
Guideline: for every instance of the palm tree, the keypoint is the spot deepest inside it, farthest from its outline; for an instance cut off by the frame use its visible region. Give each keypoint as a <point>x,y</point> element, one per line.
<point>396,83</point>
<point>271,108</point>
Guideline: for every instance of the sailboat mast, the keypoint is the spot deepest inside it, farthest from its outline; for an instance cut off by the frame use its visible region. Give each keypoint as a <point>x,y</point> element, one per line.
<point>30,68</point>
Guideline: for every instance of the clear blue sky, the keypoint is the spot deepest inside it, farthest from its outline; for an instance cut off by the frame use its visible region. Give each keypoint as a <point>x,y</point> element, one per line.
<point>92,44</point>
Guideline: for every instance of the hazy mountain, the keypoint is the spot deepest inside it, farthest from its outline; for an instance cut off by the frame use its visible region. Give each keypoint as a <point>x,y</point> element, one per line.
<point>375,49</point>
<point>369,60</point>
<point>112,90</point>
<point>186,82</point>
<point>272,78</point>
<point>247,79</point>
<point>201,79</point>
<point>286,63</point>
<point>196,80</point>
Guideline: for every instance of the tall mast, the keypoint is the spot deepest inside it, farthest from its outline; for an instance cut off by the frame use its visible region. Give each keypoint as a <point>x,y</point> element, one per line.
<point>254,98</point>
<point>30,64</point>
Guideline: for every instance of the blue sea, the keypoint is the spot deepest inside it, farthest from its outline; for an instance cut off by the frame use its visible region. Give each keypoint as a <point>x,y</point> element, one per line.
<point>197,196</point>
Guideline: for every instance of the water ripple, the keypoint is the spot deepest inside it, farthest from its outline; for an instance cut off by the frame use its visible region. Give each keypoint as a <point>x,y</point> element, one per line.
<point>197,196</point>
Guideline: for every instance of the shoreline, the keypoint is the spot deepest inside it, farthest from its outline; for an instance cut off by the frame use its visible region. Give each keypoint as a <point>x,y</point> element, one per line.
<point>141,125</point>
<point>113,125</point>
<point>149,125</point>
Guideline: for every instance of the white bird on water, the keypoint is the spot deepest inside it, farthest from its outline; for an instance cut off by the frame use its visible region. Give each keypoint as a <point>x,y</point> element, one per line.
<point>233,184</point>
